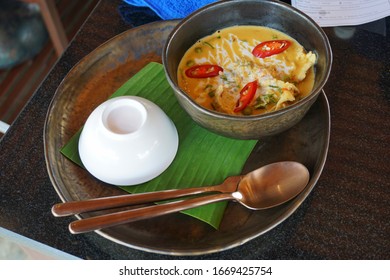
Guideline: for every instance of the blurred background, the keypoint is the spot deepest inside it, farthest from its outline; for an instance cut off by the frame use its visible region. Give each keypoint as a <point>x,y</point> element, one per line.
<point>33,34</point>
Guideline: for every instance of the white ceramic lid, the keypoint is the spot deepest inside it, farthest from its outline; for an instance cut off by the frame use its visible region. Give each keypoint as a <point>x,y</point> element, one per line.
<point>127,141</point>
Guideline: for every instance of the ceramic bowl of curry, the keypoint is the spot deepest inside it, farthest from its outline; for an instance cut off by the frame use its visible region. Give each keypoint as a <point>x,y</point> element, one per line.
<point>247,69</point>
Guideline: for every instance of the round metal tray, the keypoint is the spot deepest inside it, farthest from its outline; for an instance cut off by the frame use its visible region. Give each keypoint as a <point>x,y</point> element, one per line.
<point>95,78</point>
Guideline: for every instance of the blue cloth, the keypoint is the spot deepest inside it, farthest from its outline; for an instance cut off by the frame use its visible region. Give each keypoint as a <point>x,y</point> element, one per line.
<point>136,16</point>
<point>171,9</point>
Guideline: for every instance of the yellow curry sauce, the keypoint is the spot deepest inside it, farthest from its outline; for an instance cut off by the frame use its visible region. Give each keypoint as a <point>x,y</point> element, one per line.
<point>281,78</point>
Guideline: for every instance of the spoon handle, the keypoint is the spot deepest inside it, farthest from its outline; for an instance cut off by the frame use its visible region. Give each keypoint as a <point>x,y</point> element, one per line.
<point>100,222</point>
<point>77,207</point>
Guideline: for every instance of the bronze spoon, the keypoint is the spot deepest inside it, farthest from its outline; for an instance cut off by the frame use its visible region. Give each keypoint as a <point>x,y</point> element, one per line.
<point>263,188</point>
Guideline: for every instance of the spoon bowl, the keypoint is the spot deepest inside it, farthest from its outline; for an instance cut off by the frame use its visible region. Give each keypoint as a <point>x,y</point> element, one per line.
<point>272,185</point>
<point>263,188</point>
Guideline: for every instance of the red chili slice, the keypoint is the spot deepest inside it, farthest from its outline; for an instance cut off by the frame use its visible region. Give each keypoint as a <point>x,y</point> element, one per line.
<point>269,48</point>
<point>203,71</point>
<point>246,95</point>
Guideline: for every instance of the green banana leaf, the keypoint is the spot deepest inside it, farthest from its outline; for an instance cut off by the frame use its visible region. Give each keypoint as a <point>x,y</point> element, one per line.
<point>203,158</point>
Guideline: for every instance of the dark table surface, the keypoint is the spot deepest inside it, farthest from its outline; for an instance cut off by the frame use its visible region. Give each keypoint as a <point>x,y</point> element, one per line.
<point>347,214</point>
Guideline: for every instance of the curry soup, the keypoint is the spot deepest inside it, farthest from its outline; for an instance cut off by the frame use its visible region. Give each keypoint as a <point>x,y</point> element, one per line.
<point>246,70</point>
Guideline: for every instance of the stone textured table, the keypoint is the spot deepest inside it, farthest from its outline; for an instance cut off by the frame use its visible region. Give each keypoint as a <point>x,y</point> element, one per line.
<point>345,217</point>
